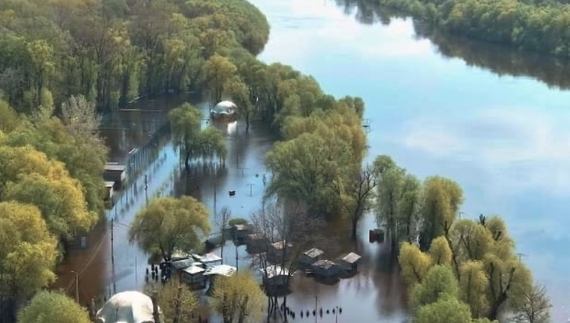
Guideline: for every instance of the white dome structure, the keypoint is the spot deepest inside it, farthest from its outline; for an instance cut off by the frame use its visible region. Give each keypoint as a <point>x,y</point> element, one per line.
<point>224,109</point>
<point>127,307</point>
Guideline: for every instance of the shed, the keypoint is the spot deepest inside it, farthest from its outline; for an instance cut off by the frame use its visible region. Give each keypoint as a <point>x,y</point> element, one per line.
<point>194,276</point>
<point>109,190</point>
<point>220,270</point>
<point>178,265</point>
<point>310,256</point>
<point>241,231</point>
<point>280,250</point>
<point>325,269</point>
<point>349,262</point>
<point>275,276</point>
<point>209,259</point>
<point>115,173</point>
<point>256,242</point>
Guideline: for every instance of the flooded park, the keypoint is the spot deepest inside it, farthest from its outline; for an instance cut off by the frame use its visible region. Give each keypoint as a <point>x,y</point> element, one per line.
<point>497,133</point>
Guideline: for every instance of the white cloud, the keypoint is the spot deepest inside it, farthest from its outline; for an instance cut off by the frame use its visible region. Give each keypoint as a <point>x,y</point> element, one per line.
<point>519,147</point>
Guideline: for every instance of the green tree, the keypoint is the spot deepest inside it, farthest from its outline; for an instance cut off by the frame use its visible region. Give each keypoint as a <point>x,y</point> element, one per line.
<point>168,224</point>
<point>445,310</point>
<point>27,254</point>
<point>306,168</point>
<point>218,71</point>
<point>185,122</point>
<point>238,91</point>
<point>238,299</point>
<point>53,307</point>
<point>8,117</point>
<point>439,282</point>
<point>441,200</point>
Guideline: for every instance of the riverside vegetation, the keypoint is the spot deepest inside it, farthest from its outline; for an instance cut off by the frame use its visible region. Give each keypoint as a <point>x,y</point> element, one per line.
<point>106,53</point>
<point>537,25</point>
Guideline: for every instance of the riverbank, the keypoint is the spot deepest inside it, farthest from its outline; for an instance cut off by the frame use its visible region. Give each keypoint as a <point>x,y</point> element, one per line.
<point>530,26</point>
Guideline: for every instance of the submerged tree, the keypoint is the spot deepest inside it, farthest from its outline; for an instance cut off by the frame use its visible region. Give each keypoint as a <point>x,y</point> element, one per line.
<point>176,301</point>
<point>168,224</point>
<point>238,299</point>
<point>221,220</point>
<point>288,227</point>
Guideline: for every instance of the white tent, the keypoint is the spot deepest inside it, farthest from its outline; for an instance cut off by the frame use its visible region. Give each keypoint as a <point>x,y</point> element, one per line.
<point>126,307</point>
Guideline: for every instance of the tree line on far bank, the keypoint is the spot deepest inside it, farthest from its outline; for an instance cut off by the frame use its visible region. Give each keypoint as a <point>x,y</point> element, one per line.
<point>535,25</point>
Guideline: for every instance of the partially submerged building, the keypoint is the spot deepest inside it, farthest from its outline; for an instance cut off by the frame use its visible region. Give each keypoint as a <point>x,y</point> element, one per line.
<point>280,251</point>
<point>193,276</point>
<point>256,243</point>
<point>349,262</point>
<point>325,269</point>
<point>309,257</point>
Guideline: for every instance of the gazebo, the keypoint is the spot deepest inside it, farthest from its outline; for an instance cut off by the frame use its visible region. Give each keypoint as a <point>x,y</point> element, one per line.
<point>224,109</point>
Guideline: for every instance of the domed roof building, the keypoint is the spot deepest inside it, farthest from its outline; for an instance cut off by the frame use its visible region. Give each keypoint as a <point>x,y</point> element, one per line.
<point>127,307</point>
<point>224,109</point>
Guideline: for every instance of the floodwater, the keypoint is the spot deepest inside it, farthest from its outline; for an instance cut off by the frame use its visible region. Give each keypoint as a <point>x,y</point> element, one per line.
<point>495,120</point>
<point>490,118</point>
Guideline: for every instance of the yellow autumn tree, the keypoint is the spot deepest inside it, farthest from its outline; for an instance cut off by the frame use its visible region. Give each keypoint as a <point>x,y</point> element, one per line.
<point>28,176</point>
<point>53,307</point>
<point>28,253</point>
<point>238,298</point>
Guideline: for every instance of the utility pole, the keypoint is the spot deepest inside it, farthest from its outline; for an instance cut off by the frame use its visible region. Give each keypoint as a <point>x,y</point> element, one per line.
<point>236,247</point>
<point>76,286</point>
<point>250,189</point>
<point>113,254</point>
<point>215,197</point>
<point>316,308</point>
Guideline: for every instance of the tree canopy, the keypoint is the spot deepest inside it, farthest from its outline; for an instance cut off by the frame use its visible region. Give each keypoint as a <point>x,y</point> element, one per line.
<point>168,224</point>
<point>238,298</point>
<point>53,307</point>
<point>114,51</point>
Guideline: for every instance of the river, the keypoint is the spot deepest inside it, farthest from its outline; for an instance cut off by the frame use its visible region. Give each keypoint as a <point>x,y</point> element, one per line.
<point>441,108</point>
<point>490,118</point>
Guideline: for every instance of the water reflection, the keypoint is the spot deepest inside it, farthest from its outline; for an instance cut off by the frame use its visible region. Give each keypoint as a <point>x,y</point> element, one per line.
<point>501,60</point>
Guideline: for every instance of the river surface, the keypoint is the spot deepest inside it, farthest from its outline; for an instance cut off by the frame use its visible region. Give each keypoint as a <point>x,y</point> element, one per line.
<point>439,108</point>
<point>437,105</point>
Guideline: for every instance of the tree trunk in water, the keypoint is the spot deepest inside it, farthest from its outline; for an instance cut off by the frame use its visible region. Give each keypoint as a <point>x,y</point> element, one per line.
<point>186,161</point>
<point>247,122</point>
<point>354,227</point>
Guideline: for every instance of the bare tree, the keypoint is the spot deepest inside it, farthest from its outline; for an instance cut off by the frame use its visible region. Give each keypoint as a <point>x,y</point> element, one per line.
<point>221,220</point>
<point>81,119</point>
<point>288,225</point>
<point>536,306</point>
<point>356,195</point>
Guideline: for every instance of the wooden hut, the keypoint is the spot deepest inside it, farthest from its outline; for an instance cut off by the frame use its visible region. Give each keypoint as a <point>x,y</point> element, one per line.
<point>349,262</point>
<point>309,257</point>
<point>241,231</point>
<point>209,259</point>
<point>325,269</point>
<point>177,266</point>
<point>256,242</point>
<point>279,250</point>
<point>193,276</point>
<point>115,173</point>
